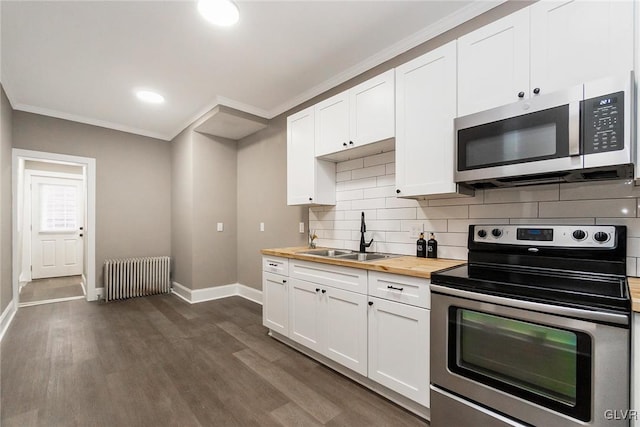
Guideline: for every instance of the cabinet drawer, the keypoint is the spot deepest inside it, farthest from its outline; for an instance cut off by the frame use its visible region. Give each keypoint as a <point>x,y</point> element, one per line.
<point>347,278</point>
<point>404,289</point>
<point>274,264</point>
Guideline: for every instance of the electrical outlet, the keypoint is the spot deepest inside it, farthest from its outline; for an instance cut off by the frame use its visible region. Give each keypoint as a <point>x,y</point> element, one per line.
<point>301,227</point>
<point>262,226</point>
<point>220,226</point>
<point>415,230</point>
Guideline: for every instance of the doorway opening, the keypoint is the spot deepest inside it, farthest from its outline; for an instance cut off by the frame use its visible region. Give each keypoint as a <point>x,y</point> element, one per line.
<point>53,228</point>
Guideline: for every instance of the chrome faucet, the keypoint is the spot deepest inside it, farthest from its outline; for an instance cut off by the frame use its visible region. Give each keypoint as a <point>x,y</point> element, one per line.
<point>363,229</point>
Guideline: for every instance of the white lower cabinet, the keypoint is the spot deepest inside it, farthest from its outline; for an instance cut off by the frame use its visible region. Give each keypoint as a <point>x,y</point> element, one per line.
<point>373,323</point>
<point>399,348</point>
<point>330,321</point>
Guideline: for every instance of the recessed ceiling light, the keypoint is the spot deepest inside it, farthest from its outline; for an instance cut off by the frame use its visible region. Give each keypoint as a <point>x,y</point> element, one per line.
<point>219,12</point>
<point>150,97</point>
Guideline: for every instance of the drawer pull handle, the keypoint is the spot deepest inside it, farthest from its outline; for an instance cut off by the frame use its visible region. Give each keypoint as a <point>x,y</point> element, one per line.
<point>393,287</point>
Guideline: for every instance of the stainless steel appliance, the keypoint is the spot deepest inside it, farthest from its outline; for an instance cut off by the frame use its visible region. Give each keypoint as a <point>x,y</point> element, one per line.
<point>582,133</point>
<point>534,330</point>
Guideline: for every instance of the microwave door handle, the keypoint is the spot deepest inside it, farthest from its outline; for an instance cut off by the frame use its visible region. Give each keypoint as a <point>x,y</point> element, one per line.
<point>574,128</point>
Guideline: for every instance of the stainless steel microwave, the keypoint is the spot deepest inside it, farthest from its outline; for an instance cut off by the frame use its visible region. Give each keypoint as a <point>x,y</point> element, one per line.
<point>583,133</point>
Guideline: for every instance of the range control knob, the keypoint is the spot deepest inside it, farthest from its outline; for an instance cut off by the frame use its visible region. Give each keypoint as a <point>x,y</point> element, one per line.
<point>601,236</point>
<point>482,234</point>
<point>579,235</point>
<point>496,232</point>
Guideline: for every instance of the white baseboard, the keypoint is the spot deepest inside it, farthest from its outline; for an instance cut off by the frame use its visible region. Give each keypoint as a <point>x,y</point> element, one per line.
<point>216,292</point>
<point>7,317</point>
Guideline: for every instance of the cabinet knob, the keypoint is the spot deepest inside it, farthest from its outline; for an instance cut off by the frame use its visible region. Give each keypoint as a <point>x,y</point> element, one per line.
<point>310,199</point>
<point>284,281</point>
<point>324,291</point>
<point>344,144</point>
<point>398,191</point>
<point>370,302</point>
<point>317,289</point>
<point>350,142</point>
<point>520,94</point>
<point>536,90</point>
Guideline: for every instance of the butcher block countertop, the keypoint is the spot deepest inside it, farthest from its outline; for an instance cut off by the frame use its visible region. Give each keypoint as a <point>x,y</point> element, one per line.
<point>634,289</point>
<point>403,264</point>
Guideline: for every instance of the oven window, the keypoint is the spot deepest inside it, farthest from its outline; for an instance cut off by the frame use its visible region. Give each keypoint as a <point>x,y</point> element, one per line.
<point>549,366</point>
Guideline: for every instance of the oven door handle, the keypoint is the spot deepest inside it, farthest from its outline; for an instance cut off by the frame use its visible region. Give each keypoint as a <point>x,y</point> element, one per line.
<point>597,316</point>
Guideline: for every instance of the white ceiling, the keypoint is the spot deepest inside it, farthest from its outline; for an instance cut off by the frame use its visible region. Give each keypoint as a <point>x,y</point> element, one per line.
<point>82,60</point>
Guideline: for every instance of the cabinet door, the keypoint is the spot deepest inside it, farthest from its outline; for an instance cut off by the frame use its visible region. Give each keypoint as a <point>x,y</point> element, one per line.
<point>305,314</point>
<point>493,64</point>
<point>332,124</point>
<point>372,110</point>
<point>300,157</point>
<point>574,42</point>
<point>275,302</point>
<point>426,107</point>
<point>345,320</point>
<point>399,348</point>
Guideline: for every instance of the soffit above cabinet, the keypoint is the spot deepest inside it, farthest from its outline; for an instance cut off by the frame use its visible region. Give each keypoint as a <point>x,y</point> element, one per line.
<point>229,123</point>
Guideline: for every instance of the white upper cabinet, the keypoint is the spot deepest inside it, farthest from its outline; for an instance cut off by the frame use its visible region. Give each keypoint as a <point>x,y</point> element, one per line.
<point>309,181</point>
<point>574,42</point>
<point>425,109</point>
<point>549,46</point>
<point>493,64</point>
<point>359,116</point>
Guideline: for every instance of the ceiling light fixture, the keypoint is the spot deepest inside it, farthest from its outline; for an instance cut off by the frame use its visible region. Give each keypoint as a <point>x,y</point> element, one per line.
<point>219,12</point>
<point>150,97</point>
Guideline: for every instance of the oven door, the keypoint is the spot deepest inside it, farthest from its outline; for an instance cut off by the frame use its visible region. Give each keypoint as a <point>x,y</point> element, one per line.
<point>536,136</point>
<point>539,364</point>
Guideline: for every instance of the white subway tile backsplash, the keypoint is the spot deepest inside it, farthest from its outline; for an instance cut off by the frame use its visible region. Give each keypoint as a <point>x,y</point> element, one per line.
<point>443,212</point>
<point>511,210</point>
<point>598,190</point>
<point>343,176</point>
<point>535,193</point>
<point>378,170</point>
<point>380,159</point>
<point>359,205</point>
<point>622,208</point>
<point>350,165</point>
<point>405,213</point>
<point>368,185</point>
<point>374,193</point>
<point>349,195</point>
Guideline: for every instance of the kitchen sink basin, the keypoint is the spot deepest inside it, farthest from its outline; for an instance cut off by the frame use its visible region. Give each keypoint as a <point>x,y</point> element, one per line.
<point>331,253</point>
<point>367,256</point>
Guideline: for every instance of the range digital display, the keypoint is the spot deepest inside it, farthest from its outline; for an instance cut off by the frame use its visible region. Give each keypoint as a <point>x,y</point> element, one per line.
<point>535,234</point>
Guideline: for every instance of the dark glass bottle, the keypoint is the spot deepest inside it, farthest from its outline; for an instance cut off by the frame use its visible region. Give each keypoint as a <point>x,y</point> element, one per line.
<point>432,247</point>
<point>421,247</point>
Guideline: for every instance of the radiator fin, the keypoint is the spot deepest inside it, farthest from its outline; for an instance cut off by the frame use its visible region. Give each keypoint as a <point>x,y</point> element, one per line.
<point>136,277</point>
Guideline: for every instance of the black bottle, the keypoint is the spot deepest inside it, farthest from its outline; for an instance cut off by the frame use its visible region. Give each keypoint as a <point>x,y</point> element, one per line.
<point>432,247</point>
<point>421,246</point>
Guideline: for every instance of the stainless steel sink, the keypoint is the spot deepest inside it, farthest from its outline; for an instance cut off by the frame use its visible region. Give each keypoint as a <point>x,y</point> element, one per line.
<point>367,256</point>
<point>331,253</point>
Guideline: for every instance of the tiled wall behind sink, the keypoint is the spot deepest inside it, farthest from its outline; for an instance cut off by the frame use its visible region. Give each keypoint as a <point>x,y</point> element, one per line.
<point>368,185</point>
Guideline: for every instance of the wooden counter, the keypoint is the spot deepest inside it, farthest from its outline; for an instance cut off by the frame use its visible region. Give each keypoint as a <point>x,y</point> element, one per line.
<point>634,289</point>
<point>405,265</point>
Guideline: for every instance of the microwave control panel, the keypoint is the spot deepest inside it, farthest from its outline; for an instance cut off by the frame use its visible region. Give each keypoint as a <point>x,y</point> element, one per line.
<point>603,121</point>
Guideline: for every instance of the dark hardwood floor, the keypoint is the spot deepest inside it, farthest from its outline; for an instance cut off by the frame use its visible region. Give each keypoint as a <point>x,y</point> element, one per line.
<point>51,289</point>
<point>158,361</point>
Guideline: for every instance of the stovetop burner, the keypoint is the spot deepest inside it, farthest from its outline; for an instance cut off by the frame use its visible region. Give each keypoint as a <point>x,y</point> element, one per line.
<point>576,266</point>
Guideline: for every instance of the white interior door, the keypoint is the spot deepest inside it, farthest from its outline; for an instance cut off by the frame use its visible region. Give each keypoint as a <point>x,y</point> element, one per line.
<point>57,215</point>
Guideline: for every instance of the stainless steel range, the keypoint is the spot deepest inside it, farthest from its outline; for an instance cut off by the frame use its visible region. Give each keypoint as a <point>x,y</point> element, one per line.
<point>534,330</point>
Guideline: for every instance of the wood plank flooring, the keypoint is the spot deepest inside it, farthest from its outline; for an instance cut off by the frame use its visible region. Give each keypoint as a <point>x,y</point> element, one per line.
<point>158,361</point>
<point>50,289</point>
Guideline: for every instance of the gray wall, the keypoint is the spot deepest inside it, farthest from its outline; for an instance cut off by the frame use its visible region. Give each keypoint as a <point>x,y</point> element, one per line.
<point>262,197</point>
<point>262,165</point>
<point>6,117</point>
<point>133,181</point>
<point>204,193</point>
